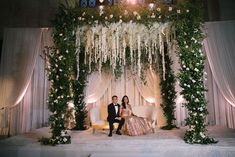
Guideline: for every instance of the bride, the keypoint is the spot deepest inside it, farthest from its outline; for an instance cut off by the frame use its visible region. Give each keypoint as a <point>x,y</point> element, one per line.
<point>133,125</point>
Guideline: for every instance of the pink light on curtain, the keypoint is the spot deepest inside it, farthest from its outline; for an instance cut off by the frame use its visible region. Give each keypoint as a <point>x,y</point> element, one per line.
<point>150,100</point>
<point>22,94</point>
<point>131,2</point>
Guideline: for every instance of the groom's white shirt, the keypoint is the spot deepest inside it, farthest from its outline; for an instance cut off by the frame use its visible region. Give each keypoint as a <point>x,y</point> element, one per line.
<point>116,108</point>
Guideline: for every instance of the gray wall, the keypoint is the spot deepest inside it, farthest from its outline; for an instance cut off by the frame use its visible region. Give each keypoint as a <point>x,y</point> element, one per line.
<point>227,9</point>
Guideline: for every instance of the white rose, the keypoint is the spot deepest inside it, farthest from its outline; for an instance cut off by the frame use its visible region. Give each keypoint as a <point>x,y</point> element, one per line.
<point>125,12</point>
<point>178,11</point>
<point>153,16</point>
<point>62,133</point>
<point>159,9</point>
<point>170,9</point>
<point>202,135</point>
<point>111,16</point>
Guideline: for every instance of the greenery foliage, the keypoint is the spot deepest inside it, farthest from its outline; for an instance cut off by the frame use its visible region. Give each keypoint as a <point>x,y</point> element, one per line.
<point>63,70</point>
<point>189,37</point>
<point>168,92</point>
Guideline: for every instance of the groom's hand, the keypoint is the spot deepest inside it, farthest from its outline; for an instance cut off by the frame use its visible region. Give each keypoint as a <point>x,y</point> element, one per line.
<point>119,118</point>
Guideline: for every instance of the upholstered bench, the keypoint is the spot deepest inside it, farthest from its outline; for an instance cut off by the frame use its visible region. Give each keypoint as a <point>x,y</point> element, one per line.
<point>98,116</point>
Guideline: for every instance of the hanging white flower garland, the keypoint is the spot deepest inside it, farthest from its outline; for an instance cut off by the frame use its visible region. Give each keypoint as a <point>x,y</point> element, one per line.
<point>109,42</point>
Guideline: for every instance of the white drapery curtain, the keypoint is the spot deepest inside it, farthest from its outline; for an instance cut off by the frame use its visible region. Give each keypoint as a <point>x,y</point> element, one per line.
<point>31,112</point>
<point>23,81</point>
<point>101,87</point>
<point>17,63</point>
<point>220,51</point>
<point>221,112</point>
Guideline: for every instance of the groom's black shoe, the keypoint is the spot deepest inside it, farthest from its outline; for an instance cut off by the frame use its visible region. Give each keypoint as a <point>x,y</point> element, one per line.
<point>119,133</point>
<point>110,135</point>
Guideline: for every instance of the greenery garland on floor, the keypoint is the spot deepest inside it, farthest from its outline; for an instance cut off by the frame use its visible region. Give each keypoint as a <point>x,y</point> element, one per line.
<point>62,70</point>
<point>190,36</point>
<point>168,92</point>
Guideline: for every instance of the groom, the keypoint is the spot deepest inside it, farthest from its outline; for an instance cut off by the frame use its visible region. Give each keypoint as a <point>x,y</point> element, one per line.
<point>114,116</point>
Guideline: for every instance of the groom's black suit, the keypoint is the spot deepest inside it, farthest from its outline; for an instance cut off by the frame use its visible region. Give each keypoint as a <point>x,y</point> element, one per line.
<point>112,117</point>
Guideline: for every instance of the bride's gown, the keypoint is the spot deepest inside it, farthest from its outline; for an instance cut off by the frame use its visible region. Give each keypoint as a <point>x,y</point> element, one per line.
<point>134,125</point>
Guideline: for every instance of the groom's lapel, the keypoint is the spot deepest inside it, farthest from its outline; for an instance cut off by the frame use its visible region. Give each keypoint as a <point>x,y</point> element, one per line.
<point>114,108</point>
<point>118,109</point>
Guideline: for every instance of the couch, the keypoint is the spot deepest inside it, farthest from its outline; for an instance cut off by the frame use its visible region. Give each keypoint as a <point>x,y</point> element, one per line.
<point>98,116</point>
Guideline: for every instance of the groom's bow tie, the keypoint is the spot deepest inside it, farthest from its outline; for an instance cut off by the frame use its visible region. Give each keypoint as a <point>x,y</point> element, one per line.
<point>115,104</point>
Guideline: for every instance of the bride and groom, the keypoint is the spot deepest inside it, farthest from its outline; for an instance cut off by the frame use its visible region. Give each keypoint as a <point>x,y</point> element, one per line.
<point>129,123</point>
